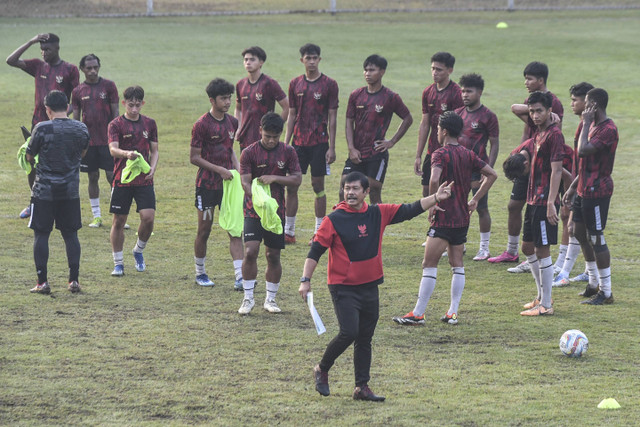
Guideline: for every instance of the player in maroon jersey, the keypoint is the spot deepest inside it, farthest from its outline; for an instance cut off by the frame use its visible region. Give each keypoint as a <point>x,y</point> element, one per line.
<point>212,151</point>
<point>369,114</point>
<point>540,229</point>
<point>594,187</point>
<point>95,101</point>
<point>450,222</point>
<point>130,136</point>
<point>50,73</point>
<point>480,127</point>
<point>311,129</point>
<point>275,163</point>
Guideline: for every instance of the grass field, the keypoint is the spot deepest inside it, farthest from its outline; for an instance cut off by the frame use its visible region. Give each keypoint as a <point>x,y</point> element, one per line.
<point>153,348</point>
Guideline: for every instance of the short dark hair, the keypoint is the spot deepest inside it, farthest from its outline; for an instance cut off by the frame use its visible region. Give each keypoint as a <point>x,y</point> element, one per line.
<point>217,87</point>
<point>310,49</point>
<point>580,89</point>
<point>599,96</point>
<point>57,101</point>
<point>376,60</point>
<point>452,122</point>
<point>88,57</point>
<point>537,69</point>
<point>272,122</point>
<point>256,51</point>
<point>543,98</point>
<point>134,92</point>
<point>444,58</point>
<point>357,176</point>
<point>514,166</point>
<point>53,38</point>
<point>472,80</point>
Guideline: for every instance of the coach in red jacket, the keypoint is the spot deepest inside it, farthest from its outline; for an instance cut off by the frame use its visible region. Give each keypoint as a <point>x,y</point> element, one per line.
<point>353,234</point>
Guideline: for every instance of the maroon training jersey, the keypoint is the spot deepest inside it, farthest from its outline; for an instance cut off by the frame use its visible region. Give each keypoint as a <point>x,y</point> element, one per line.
<point>479,126</point>
<point>548,148</point>
<point>63,77</point>
<point>526,145</point>
<point>595,170</point>
<point>567,160</point>
<point>94,101</point>
<point>556,107</point>
<point>136,136</point>
<point>312,101</point>
<point>255,100</point>
<point>435,102</point>
<point>257,161</point>
<point>372,113</point>
<point>215,138</point>
<point>457,164</point>
<point>576,157</point>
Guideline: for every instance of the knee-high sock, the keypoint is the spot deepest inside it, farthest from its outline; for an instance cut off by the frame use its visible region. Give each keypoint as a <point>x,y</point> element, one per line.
<point>72,245</point>
<point>546,277</point>
<point>457,286</point>
<point>427,285</point>
<point>41,255</point>
<point>535,272</point>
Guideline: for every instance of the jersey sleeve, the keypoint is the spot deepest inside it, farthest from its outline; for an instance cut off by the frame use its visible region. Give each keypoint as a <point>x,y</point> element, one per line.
<point>277,92</point>
<point>293,99</point>
<point>492,126</point>
<point>478,163</point>
<point>76,102</point>
<point>436,159</point>
<point>113,131</point>
<point>196,135</point>
<point>333,95</point>
<point>245,162</point>
<point>153,135</point>
<point>456,98</point>
<point>557,149</point>
<point>399,108</point>
<point>351,106</point>
<point>112,93</point>
<point>604,139</point>
<point>32,66</point>
<point>425,101</point>
<point>293,165</point>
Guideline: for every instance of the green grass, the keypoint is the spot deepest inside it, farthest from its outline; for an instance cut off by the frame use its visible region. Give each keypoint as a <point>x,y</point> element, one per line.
<point>153,348</point>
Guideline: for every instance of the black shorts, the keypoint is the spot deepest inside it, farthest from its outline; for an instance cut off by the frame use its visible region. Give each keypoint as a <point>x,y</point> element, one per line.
<point>426,170</point>
<point>592,212</point>
<point>314,156</point>
<point>455,236</point>
<point>65,213</point>
<point>536,227</point>
<point>97,157</point>
<point>121,198</point>
<point>253,231</point>
<point>207,199</point>
<point>519,190</point>
<point>482,203</point>
<point>374,167</point>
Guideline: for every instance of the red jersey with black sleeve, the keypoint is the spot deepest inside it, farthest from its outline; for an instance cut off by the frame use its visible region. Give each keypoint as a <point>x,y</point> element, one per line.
<point>94,101</point>
<point>255,100</point>
<point>548,148</point>
<point>312,101</point>
<point>62,76</point>
<point>479,125</point>
<point>556,107</point>
<point>256,160</point>
<point>133,136</point>
<point>435,102</point>
<point>457,164</point>
<point>354,240</point>
<point>215,138</point>
<point>372,114</point>
<point>595,169</point>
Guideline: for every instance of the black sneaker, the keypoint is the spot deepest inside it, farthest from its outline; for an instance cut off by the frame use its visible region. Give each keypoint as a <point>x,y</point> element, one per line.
<point>365,393</point>
<point>322,380</point>
<point>599,299</point>
<point>589,292</point>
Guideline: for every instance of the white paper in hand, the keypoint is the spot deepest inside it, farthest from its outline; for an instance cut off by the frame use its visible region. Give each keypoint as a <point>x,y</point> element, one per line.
<point>315,316</point>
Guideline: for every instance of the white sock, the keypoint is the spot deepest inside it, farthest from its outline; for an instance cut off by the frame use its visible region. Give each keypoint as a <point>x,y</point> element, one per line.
<point>118,258</point>
<point>248,286</point>
<point>290,225</point>
<point>592,269</point>
<point>140,245</point>
<point>546,277</point>
<point>535,272</point>
<point>237,268</point>
<point>572,255</point>
<point>95,207</point>
<point>200,265</point>
<point>318,222</point>
<point>512,245</point>
<point>605,281</point>
<point>427,285</point>
<point>272,290</point>
<point>562,253</point>
<point>457,286</point>
<point>484,240</point>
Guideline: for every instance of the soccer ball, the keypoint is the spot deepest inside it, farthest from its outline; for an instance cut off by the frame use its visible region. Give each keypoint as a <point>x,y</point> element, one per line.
<point>574,343</point>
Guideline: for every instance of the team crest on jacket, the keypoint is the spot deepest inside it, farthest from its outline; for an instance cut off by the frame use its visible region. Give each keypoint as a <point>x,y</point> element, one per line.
<point>443,107</point>
<point>145,134</point>
<point>281,164</point>
<point>103,95</point>
<point>317,96</point>
<point>379,108</point>
<point>474,125</point>
<point>258,96</point>
<point>362,229</point>
<point>59,79</point>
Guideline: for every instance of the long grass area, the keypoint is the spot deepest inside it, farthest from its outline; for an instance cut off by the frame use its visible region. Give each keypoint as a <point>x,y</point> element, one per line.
<point>153,348</point>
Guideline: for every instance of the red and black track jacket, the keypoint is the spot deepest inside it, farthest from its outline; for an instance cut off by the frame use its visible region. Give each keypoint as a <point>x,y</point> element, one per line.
<point>354,240</point>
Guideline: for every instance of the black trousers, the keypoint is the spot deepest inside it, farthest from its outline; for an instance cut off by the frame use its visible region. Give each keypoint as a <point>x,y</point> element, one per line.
<point>357,309</point>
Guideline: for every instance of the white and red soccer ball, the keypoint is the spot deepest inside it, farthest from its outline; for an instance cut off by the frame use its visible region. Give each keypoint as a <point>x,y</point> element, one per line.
<point>574,343</point>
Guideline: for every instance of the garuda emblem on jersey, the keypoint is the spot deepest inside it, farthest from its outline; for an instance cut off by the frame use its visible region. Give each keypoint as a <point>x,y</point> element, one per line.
<point>281,164</point>
<point>258,96</point>
<point>103,95</point>
<point>59,79</point>
<point>474,125</point>
<point>362,229</point>
<point>145,134</point>
<point>443,107</point>
<point>379,108</point>
<point>317,96</point>
<point>231,134</point>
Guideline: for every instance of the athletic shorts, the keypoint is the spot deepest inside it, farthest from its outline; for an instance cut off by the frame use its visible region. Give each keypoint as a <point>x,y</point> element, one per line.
<point>426,170</point>
<point>65,213</point>
<point>592,212</point>
<point>519,190</point>
<point>482,203</point>
<point>97,157</point>
<point>121,198</point>
<point>207,199</point>
<point>536,227</point>
<point>314,156</point>
<point>455,236</point>
<point>374,167</point>
<point>253,231</point>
